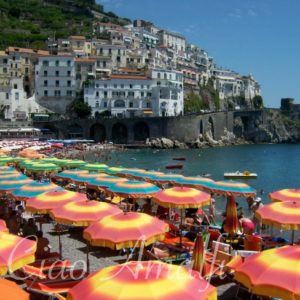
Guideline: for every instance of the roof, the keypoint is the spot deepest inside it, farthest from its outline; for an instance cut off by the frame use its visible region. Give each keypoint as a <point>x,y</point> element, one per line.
<point>27,50</point>
<point>77,37</point>
<point>120,76</point>
<point>85,60</point>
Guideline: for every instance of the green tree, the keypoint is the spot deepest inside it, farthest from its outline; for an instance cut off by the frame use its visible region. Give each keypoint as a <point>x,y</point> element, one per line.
<point>258,102</point>
<point>193,103</point>
<point>82,109</point>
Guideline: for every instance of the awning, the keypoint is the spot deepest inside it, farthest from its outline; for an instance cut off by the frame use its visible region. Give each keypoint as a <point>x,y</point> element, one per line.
<point>148,112</point>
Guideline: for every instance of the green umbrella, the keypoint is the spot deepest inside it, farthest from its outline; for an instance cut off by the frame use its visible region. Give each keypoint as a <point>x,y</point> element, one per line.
<point>43,167</point>
<point>95,167</point>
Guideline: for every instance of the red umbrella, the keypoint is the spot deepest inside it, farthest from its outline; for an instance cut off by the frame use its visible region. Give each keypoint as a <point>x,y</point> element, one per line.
<point>199,255</point>
<point>231,225</point>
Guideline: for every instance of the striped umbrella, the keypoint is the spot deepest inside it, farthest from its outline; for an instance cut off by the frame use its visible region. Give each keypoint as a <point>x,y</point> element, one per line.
<point>83,213</point>
<point>231,188</point>
<point>104,182</point>
<point>87,177</point>
<point>147,175</point>
<point>5,160</point>
<point>15,252</point>
<point>70,163</point>
<point>131,173</point>
<point>231,225</point>
<point>182,197</point>
<point>114,170</point>
<point>7,175</point>
<point>3,227</point>
<point>95,167</point>
<point>199,255</point>
<point>6,168</point>
<point>44,203</point>
<point>165,178</point>
<point>285,195</point>
<point>195,182</point>
<point>134,189</point>
<point>283,215</point>
<point>272,273</point>
<point>70,174</point>
<point>9,185</point>
<point>126,230</point>
<point>143,280</point>
<point>33,189</point>
<point>43,167</point>
<point>10,290</point>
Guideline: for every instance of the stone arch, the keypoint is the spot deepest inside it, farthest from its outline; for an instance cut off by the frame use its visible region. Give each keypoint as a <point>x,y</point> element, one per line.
<point>98,132</point>
<point>119,103</point>
<point>201,127</point>
<point>119,133</point>
<point>141,131</point>
<point>75,131</point>
<point>212,128</point>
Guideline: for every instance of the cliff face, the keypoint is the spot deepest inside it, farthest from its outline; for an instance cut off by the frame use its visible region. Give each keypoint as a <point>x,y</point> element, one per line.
<point>274,128</point>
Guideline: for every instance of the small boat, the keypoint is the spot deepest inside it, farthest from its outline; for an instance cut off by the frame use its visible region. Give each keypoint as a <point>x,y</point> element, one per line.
<point>241,175</point>
<point>179,158</point>
<point>176,166</point>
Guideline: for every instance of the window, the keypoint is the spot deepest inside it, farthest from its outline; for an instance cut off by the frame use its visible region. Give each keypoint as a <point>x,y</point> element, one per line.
<point>69,63</point>
<point>119,103</point>
<point>97,103</point>
<point>15,86</point>
<point>69,73</point>
<point>158,83</point>
<point>105,85</point>
<point>45,63</point>
<point>4,70</point>
<point>122,86</point>
<point>104,64</point>
<point>115,86</point>
<point>56,73</point>
<point>17,96</point>
<point>45,73</point>
<point>56,82</point>
<point>130,86</point>
<point>109,51</point>
<point>130,104</point>
<point>45,93</point>
<point>14,58</point>
<point>26,60</point>
<point>26,70</point>
<point>149,94</point>
<point>90,68</point>
<point>45,82</point>
<point>158,75</point>
<point>105,104</point>
<point>69,83</point>
<point>142,94</point>
<point>57,63</point>
<point>142,86</point>
<point>165,75</point>
<point>69,93</point>
<point>105,94</point>
<point>130,94</point>
<point>5,60</point>
<point>148,104</point>
<point>56,93</point>
<point>7,96</point>
<point>97,94</point>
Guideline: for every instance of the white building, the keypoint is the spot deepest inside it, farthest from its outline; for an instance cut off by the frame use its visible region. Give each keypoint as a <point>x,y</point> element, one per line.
<point>175,41</point>
<point>55,81</point>
<point>251,87</point>
<point>158,93</point>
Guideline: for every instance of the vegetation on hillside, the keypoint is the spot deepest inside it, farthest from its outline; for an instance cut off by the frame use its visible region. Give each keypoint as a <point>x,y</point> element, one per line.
<point>29,23</point>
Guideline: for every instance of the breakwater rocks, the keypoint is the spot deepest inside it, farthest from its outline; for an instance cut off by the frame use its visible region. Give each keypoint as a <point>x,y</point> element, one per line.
<point>203,141</point>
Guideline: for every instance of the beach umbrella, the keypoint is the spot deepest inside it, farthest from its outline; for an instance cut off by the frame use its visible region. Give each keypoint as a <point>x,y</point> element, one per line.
<point>143,280</point>
<point>231,188</point>
<point>83,213</point>
<point>231,225</point>
<point>43,167</point>
<point>114,170</point>
<point>70,174</point>
<point>18,159</point>
<point>3,227</point>
<point>95,167</point>
<point>15,252</point>
<point>133,189</point>
<point>44,203</point>
<point>8,185</point>
<point>285,195</point>
<point>272,273</point>
<point>33,189</point>
<point>165,178</point>
<point>10,290</point>
<point>182,197</point>
<point>7,175</point>
<point>131,173</point>
<point>194,182</point>
<point>283,215</point>
<point>70,163</point>
<point>87,177</point>
<point>6,168</point>
<point>146,175</point>
<point>198,257</point>
<point>126,230</point>
<point>5,159</point>
<point>104,182</point>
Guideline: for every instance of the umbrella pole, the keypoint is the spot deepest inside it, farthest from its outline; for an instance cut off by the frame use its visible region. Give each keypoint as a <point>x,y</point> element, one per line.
<point>59,245</point>
<point>292,237</point>
<point>87,257</point>
<point>181,217</point>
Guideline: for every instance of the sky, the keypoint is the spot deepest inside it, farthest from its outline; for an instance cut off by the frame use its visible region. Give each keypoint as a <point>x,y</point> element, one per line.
<point>258,37</point>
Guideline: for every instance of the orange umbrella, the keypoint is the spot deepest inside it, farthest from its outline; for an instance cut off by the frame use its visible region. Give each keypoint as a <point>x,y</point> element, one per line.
<point>126,230</point>
<point>83,213</point>
<point>3,227</point>
<point>231,225</point>
<point>199,255</point>
<point>45,202</point>
<point>182,197</point>
<point>283,215</point>
<point>15,252</point>
<point>10,290</point>
<point>145,280</point>
<point>285,195</point>
<point>273,273</point>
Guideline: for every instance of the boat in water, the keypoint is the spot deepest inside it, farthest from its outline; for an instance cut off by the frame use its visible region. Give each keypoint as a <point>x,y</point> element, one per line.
<point>240,175</point>
<point>176,166</point>
<point>179,158</point>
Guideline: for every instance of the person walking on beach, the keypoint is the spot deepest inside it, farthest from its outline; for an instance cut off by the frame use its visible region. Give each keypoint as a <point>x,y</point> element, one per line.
<point>256,205</point>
